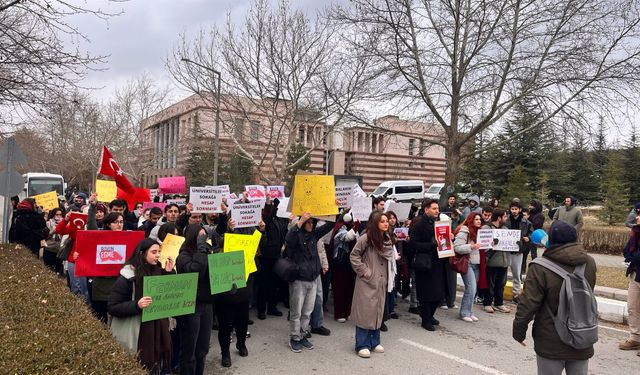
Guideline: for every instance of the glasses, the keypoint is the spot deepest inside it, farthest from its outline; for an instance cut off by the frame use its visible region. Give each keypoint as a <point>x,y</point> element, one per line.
<point>119,222</point>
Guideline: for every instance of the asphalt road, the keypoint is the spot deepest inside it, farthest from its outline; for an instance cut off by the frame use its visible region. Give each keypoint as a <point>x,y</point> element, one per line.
<point>456,347</point>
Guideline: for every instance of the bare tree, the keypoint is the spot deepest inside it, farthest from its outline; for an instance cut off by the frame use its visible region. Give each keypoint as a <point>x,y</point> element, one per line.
<point>36,69</point>
<point>464,64</point>
<point>281,72</point>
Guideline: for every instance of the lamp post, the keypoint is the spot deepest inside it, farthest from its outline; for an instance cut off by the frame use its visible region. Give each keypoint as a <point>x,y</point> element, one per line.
<point>216,145</point>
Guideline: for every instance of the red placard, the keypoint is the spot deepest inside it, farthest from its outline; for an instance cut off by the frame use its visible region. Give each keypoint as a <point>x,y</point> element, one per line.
<point>104,252</point>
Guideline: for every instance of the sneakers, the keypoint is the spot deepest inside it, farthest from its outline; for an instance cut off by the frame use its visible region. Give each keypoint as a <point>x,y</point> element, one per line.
<point>479,300</point>
<point>489,309</point>
<point>394,315</point>
<point>307,334</point>
<point>444,307</point>
<point>306,344</point>
<point>503,309</point>
<point>295,346</point>
<point>378,349</point>
<point>474,318</point>
<point>341,320</point>
<point>322,331</point>
<point>516,299</point>
<point>364,353</point>
<point>629,345</point>
<point>467,319</point>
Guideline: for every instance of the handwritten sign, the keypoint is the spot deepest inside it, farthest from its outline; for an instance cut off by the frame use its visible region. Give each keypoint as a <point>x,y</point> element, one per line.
<point>172,185</point>
<point>205,200</point>
<point>485,238</point>
<point>344,195</point>
<point>506,239</point>
<point>400,209</point>
<point>358,192</point>
<point>247,243</point>
<point>401,233</point>
<point>47,201</point>
<point>170,248</point>
<point>106,190</point>
<point>443,239</point>
<point>226,269</point>
<point>246,214</point>
<point>315,194</point>
<point>361,208</point>
<point>275,191</point>
<point>171,295</point>
<point>255,191</point>
<point>282,209</point>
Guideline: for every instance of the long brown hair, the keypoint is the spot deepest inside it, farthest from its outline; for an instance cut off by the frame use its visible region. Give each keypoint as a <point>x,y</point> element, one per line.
<point>375,237</point>
<point>468,222</point>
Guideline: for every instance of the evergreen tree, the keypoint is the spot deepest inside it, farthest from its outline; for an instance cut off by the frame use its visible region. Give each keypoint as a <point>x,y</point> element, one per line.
<point>630,160</point>
<point>294,153</point>
<point>543,192</point>
<point>616,192</point>
<point>473,175</point>
<point>199,167</point>
<point>237,172</point>
<point>517,186</point>
<point>582,184</point>
<point>600,155</point>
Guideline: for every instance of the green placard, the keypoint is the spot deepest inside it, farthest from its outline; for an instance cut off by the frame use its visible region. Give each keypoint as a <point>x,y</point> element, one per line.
<point>226,269</point>
<point>171,295</point>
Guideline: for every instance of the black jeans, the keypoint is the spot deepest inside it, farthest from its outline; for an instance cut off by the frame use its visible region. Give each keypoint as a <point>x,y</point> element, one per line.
<point>51,260</point>
<point>195,332</point>
<point>230,316</point>
<point>428,310</point>
<point>450,290</point>
<point>101,310</point>
<point>529,248</point>
<point>496,280</point>
<point>267,283</point>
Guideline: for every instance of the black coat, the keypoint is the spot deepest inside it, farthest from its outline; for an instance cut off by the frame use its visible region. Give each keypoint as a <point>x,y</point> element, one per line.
<point>196,262</point>
<point>430,284</point>
<point>274,234</point>
<point>121,304</point>
<point>28,228</point>
<point>302,248</point>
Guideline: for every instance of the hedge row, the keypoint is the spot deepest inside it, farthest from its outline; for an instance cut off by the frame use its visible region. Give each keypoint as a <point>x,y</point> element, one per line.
<point>46,329</point>
<point>605,240</point>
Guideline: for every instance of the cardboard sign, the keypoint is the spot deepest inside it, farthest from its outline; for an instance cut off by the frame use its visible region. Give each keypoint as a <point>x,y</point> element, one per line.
<point>443,239</point>
<point>104,252</point>
<point>361,208</point>
<point>170,248</point>
<point>226,269</point>
<point>275,192</point>
<point>246,242</point>
<point>172,185</point>
<point>344,195</point>
<point>282,209</point>
<point>315,194</point>
<point>400,209</point>
<point>149,205</point>
<point>47,201</point>
<point>247,214</point>
<point>205,200</point>
<point>106,190</point>
<point>171,295</point>
<point>358,192</point>
<point>401,233</point>
<point>506,239</point>
<point>178,201</point>
<point>255,191</point>
<point>485,238</point>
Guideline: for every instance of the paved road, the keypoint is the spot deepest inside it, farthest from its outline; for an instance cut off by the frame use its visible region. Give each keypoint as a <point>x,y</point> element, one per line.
<point>616,261</point>
<point>485,347</point>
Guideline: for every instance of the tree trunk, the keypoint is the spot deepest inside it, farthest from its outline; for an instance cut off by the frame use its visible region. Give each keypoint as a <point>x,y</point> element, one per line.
<point>452,170</point>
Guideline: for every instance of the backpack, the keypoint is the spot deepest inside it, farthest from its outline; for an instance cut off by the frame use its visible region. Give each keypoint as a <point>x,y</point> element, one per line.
<point>577,319</point>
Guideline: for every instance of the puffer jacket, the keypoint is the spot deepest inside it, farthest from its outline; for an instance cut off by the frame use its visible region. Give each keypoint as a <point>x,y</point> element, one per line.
<point>542,290</point>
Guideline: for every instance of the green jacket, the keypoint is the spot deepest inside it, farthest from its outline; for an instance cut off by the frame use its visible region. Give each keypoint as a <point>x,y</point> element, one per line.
<point>543,288</point>
<point>496,258</point>
<point>571,215</point>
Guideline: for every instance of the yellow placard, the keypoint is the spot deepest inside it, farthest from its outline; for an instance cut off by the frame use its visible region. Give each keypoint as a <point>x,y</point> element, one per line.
<point>315,194</point>
<point>47,201</point>
<point>247,242</point>
<point>106,190</point>
<point>170,248</point>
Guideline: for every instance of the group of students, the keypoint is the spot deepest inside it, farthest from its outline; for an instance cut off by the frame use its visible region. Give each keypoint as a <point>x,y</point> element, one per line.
<point>363,264</point>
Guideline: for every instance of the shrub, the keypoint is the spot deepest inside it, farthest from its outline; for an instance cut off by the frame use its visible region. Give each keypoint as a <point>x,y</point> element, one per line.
<point>48,330</point>
<point>605,240</point>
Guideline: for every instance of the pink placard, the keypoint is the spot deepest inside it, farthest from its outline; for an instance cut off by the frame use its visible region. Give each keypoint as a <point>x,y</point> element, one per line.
<point>146,205</point>
<point>255,191</point>
<point>275,192</point>
<point>172,185</point>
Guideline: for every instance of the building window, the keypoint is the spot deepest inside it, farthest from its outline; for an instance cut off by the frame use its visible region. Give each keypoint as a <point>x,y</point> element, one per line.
<point>367,142</point>
<point>412,146</point>
<point>359,141</point>
<point>374,143</point>
<point>255,131</point>
<point>301,135</point>
<point>422,147</point>
<point>380,144</point>
<point>238,129</point>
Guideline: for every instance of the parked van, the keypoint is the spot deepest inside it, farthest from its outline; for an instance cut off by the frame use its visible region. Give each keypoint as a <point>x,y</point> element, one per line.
<point>402,190</point>
<point>434,191</point>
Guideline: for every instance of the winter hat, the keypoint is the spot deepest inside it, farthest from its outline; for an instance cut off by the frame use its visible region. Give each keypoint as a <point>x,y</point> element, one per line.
<point>562,233</point>
<point>637,205</point>
<point>102,207</point>
<point>82,195</point>
<point>25,205</point>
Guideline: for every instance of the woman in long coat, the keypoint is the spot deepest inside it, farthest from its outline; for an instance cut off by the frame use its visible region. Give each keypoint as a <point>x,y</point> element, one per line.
<point>370,260</point>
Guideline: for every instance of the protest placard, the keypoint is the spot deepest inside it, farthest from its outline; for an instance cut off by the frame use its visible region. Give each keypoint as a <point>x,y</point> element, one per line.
<point>506,239</point>
<point>255,191</point>
<point>226,269</point>
<point>275,192</point>
<point>154,193</point>
<point>205,200</point>
<point>103,252</point>
<point>282,208</point>
<point>247,243</point>
<point>47,201</point>
<point>485,238</point>
<point>315,194</point>
<point>358,192</point>
<point>172,185</point>
<point>149,205</point>
<point>246,214</point>
<point>401,233</point>
<point>178,201</point>
<point>106,190</point>
<point>170,248</point>
<point>400,209</point>
<point>443,239</point>
<point>361,208</point>
<point>344,195</point>
<point>171,295</point>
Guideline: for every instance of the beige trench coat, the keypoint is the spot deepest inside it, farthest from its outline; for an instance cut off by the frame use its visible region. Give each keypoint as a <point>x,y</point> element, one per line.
<point>372,269</point>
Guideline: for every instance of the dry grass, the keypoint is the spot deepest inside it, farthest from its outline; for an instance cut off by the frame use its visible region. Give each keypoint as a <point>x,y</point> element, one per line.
<point>612,277</point>
<point>48,330</point>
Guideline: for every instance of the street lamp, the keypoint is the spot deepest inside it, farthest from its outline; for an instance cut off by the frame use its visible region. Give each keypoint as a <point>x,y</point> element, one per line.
<point>216,145</point>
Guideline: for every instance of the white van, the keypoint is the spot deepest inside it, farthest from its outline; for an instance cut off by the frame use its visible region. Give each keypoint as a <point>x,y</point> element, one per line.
<point>402,190</point>
<point>434,191</point>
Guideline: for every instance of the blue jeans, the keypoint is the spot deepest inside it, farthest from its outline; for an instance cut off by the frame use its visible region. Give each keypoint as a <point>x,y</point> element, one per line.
<point>367,338</point>
<point>317,316</point>
<point>78,285</point>
<point>470,280</point>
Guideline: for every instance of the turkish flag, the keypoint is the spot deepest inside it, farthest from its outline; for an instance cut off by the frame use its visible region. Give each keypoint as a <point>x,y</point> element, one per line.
<point>77,221</point>
<point>109,167</point>
<point>104,252</point>
<point>138,195</point>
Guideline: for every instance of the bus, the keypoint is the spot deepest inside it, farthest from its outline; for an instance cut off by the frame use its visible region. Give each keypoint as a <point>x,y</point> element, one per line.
<point>40,183</point>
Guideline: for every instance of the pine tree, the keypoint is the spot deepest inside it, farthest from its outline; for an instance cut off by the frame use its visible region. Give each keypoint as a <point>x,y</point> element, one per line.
<point>517,186</point>
<point>296,152</point>
<point>616,192</point>
<point>542,193</point>
<point>600,155</point>
<point>237,172</point>
<point>199,167</point>
<point>582,184</point>
<point>630,159</point>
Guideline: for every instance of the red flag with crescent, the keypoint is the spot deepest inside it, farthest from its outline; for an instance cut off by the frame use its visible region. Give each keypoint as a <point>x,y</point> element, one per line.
<point>109,167</point>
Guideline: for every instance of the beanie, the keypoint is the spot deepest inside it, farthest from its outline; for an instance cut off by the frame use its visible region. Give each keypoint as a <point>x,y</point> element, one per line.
<point>562,233</point>
<point>637,205</point>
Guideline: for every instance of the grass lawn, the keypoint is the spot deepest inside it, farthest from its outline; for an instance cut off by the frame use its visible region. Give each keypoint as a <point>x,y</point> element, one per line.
<point>612,277</point>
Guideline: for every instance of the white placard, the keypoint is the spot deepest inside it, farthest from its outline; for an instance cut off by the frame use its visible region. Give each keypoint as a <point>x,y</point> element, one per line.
<point>111,254</point>
<point>358,192</point>
<point>282,208</point>
<point>401,233</point>
<point>205,200</point>
<point>344,195</point>
<point>275,192</point>
<point>507,239</point>
<point>361,208</point>
<point>485,238</point>
<point>178,201</point>
<point>255,191</point>
<point>247,214</point>
<point>400,209</point>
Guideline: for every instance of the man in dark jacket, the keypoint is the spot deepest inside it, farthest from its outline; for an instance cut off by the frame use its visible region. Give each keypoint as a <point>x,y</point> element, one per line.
<point>302,249</point>
<point>28,226</point>
<point>541,297</point>
<point>516,221</point>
